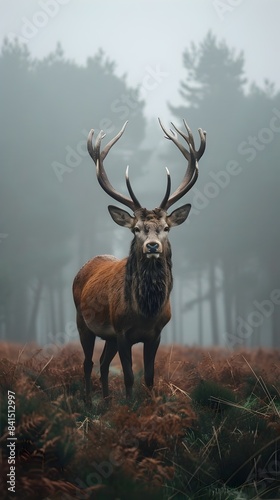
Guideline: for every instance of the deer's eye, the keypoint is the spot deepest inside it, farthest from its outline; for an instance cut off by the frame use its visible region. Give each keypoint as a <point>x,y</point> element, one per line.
<point>166,228</point>
<point>136,230</point>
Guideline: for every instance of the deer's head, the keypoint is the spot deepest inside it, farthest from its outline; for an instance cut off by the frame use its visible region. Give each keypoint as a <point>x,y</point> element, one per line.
<point>150,227</point>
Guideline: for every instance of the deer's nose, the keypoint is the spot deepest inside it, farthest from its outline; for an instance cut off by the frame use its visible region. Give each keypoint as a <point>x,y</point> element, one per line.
<point>152,246</point>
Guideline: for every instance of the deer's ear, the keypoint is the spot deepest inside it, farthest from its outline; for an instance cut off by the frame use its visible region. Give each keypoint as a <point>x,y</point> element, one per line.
<point>179,215</point>
<point>121,217</point>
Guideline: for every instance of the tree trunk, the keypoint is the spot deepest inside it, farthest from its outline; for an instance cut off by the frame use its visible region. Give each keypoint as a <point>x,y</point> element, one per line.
<point>52,311</point>
<point>275,285</point>
<point>275,324</point>
<point>19,332</point>
<point>200,308</point>
<point>228,299</point>
<point>213,304</point>
<point>180,298</point>
<point>60,290</point>
<point>35,308</point>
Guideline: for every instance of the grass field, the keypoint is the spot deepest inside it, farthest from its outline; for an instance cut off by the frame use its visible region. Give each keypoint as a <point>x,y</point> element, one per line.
<point>210,430</point>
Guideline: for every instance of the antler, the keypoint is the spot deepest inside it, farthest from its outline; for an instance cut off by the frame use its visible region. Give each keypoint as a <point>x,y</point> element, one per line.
<point>192,157</point>
<point>103,180</point>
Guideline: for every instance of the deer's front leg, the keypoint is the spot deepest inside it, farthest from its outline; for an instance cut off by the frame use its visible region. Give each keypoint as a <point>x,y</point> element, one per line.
<point>150,350</point>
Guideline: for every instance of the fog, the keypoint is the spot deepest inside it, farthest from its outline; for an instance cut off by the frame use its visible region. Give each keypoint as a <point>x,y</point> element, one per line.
<point>69,66</point>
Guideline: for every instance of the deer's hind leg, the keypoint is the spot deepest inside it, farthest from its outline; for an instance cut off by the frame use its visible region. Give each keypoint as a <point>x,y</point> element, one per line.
<point>108,353</point>
<point>87,338</point>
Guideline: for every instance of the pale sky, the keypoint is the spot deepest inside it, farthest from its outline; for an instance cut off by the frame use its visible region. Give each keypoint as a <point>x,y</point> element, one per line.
<point>146,38</point>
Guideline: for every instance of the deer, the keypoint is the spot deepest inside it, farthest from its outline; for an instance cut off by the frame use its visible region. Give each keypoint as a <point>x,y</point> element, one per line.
<point>127,301</point>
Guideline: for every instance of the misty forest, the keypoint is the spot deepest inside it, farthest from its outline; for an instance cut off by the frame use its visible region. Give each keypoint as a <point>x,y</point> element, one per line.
<point>54,215</point>
<point>209,427</point>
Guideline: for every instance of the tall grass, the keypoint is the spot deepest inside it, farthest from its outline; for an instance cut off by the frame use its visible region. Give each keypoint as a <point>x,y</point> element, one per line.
<point>209,430</point>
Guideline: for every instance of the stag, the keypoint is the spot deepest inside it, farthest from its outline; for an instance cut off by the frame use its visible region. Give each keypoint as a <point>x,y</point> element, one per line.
<point>128,301</point>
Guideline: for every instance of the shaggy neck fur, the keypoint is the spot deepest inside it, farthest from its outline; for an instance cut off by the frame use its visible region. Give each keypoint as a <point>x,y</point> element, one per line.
<point>148,281</point>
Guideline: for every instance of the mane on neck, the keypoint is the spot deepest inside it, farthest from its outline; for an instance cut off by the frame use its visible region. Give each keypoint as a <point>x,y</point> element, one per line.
<point>148,282</point>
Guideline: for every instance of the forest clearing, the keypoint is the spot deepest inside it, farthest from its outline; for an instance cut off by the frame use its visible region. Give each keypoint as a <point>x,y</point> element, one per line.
<point>198,416</point>
<point>210,430</point>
